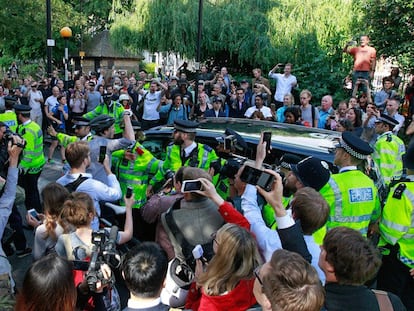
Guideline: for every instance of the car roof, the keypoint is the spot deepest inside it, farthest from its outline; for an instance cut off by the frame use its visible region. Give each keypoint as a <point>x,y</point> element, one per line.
<point>287,138</point>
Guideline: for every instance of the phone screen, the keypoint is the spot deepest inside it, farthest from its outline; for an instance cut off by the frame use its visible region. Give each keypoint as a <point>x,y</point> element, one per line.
<point>128,192</point>
<point>267,137</point>
<point>191,185</point>
<point>102,153</point>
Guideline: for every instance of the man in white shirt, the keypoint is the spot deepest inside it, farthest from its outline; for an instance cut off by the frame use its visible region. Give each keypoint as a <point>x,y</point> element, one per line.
<point>151,117</point>
<point>391,109</point>
<point>35,98</point>
<point>259,111</point>
<point>284,82</point>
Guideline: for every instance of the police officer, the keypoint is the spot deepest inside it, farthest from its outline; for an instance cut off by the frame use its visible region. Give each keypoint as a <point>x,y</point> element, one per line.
<point>133,167</point>
<point>33,159</point>
<point>112,108</point>
<point>82,132</point>
<point>388,149</point>
<point>351,195</point>
<point>9,116</point>
<point>397,237</point>
<point>184,151</point>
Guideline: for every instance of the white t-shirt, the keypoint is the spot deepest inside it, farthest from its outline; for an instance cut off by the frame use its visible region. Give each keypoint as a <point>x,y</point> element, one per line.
<point>151,102</point>
<point>283,85</point>
<point>33,96</point>
<point>51,102</point>
<point>267,113</point>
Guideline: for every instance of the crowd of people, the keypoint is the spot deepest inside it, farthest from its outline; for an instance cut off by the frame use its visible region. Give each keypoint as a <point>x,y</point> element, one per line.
<point>193,235</point>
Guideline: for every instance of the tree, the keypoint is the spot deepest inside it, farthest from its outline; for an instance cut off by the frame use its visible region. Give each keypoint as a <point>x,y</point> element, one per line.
<point>23,28</point>
<point>245,34</point>
<point>391,27</point>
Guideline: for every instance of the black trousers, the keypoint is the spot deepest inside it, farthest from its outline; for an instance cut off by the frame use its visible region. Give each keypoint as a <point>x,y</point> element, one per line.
<point>29,183</point>
<point>15,221</point>
<point>395,277</point>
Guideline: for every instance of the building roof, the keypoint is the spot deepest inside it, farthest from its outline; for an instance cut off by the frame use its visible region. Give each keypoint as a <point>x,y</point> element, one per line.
<point>100,46</point>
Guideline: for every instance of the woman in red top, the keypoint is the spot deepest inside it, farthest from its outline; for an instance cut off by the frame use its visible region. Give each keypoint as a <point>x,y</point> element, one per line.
<point>227,283</point>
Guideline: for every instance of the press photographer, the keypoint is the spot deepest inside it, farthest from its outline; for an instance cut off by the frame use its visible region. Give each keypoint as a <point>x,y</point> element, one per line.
<point>14,232</point>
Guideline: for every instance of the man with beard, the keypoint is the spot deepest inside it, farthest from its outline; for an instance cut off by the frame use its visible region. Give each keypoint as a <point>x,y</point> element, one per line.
<point>184,151</point>
<point>310,172</point>
<point>352,195</point>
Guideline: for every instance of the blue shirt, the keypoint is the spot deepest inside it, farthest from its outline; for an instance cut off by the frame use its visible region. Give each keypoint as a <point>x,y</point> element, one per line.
<point>174,113</point>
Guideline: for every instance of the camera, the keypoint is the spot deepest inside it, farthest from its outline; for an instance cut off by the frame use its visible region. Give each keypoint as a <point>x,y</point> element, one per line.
<point>8,136</point>
<point>103,251</point>
<point>169,174</point>
<point>254,176</point>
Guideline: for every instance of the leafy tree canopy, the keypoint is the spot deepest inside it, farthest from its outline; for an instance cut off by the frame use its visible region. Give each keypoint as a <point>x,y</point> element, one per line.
<point>391,27</point>
<point>23,25</point>
<point>244,34</point>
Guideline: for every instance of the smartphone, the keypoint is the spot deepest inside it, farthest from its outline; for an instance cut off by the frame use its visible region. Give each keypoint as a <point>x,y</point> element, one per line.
<point>191,185</point>
<point>273,107</point>
<point>198,251</point>
<point>33,213</point>
<point>267,138</point>
<point>128,192</point>
<point>254,176</point>
<point>102,153</point>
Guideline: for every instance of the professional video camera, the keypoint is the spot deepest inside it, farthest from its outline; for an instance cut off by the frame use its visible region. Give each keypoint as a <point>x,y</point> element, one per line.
<point>8,136</point>
<point>103,251</point>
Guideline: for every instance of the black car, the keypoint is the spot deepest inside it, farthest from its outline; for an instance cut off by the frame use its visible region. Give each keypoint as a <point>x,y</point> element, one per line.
<point>286,138</point>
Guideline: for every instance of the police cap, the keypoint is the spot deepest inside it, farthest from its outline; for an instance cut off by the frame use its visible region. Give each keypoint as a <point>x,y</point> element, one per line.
<point>287,159</point>
<point>10,98</point>
<point>80,121</point>
<point>22,108</point>
<point>312,172</point>
<point>185,126</point>
<point>387,120</point>
<point>355,146</point>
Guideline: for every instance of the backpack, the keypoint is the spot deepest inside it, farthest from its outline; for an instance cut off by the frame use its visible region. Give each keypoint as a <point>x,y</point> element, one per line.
<point>183,265</point>
<point>72,186</point>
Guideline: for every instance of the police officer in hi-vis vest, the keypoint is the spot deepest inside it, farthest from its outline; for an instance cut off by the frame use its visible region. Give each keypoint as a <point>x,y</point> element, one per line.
<point>352,195</point>
<point>388,149</point>
<point>184,151</point>
<point>397,237</point>
<point>33,159</point>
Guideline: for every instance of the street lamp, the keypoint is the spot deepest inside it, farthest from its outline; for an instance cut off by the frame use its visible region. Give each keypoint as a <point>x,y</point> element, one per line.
<point>66,33</point>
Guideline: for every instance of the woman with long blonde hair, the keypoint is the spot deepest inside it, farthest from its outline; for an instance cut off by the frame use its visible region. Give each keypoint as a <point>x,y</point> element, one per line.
<point>227,283</point>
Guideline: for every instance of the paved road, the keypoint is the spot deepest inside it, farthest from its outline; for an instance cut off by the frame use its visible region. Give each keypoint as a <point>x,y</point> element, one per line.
<point>51,172</point>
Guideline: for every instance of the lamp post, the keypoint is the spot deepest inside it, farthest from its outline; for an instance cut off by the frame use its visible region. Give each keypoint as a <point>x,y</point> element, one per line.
<point>66,33</point>
<point>198,46</point>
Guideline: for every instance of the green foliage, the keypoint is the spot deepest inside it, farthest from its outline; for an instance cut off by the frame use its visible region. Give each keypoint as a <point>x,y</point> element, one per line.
<point>245,34</point>
<point>18,22</point>
<point>391,27</point>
